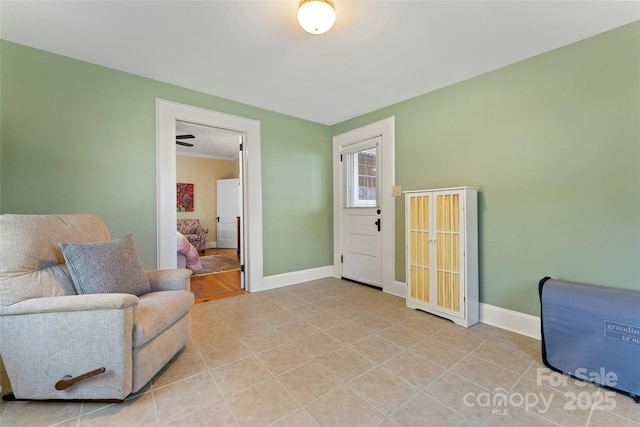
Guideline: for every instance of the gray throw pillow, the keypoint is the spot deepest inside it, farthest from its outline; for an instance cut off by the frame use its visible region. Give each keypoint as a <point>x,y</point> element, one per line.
<point>106,267</point>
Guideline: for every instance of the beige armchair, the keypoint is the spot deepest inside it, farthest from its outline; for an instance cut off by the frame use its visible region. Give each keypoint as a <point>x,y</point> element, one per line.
<point>58,344</point>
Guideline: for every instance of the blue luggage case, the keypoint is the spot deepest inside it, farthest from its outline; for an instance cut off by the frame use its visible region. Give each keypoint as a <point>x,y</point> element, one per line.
<point>592,333</point>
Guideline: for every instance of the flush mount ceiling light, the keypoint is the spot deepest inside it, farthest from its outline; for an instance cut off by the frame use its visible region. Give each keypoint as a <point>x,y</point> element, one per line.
<point>316,16</point>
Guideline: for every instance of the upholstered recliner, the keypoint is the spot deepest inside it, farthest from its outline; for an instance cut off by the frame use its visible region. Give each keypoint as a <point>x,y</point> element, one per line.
<point>195,233</point>
<point>50,335</point>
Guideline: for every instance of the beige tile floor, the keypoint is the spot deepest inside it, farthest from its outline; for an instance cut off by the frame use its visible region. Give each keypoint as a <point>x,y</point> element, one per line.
<point>334,353</point>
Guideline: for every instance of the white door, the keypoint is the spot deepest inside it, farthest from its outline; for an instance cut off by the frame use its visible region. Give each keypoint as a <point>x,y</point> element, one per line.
<point>228,211</point>
<point>357,244</point>
<point>361,212</point>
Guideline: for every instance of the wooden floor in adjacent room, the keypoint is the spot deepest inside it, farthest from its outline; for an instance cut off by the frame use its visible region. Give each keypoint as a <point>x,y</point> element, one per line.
<point>218,285</point>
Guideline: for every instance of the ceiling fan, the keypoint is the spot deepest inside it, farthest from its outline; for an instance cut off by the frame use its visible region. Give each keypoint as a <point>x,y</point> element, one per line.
<point>186,144</point>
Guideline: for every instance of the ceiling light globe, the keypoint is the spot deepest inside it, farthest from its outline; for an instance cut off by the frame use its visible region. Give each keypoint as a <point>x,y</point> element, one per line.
<point>316,16</point>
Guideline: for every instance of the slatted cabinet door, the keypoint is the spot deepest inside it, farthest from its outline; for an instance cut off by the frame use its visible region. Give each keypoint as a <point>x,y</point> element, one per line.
<point>441,244</point>
<point>418,239</point>
<point>449,254</point>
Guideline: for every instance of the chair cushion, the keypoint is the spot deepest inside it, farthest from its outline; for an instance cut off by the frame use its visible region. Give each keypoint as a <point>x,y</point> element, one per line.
<point>157,311</point>
<point>106,267</point>
<point>31,262</point>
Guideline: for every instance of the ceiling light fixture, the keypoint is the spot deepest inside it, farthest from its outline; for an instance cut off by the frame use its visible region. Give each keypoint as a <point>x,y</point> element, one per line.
<point>316,16</point>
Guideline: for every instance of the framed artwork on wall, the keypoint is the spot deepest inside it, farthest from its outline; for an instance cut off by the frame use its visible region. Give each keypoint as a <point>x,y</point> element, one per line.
<point>184,198</point>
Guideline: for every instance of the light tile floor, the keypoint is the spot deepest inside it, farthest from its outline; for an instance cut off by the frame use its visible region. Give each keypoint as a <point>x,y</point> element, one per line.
<point>334,353</point>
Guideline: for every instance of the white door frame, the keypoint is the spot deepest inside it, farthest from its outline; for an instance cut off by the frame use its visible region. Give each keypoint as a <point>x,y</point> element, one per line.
<point>386,129</point>
<point>167,113</point>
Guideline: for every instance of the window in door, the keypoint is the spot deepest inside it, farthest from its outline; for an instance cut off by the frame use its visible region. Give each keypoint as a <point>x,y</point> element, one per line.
<point>362,178</point>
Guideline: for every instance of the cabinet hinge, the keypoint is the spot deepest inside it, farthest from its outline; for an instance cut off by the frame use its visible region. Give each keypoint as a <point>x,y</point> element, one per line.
<point>340,157</point>
<point>241,145</point>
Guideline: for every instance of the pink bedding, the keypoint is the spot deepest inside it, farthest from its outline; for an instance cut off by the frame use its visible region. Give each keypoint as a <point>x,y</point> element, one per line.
<point>185,248</point>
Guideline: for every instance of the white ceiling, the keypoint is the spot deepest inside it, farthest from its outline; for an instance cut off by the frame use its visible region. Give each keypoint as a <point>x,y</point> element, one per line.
<point>209,142</point>
<point>377,54</point>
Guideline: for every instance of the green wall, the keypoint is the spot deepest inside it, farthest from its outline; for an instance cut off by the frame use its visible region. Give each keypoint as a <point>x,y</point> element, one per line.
<point>553,142</point>
<point>77,137</point>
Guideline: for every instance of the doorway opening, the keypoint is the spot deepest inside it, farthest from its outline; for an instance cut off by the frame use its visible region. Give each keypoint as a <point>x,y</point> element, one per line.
<point>168,114</point>
<point>209,160</point>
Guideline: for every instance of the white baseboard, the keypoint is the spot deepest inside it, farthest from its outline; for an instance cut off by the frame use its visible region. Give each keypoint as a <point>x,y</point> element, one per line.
<point>514,321</point>
<point>212,245</point>
<point>398,289</point>
<point>286,279</point>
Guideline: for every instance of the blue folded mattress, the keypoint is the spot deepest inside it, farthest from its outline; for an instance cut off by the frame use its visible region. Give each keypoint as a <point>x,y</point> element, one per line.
<point>592,333</point>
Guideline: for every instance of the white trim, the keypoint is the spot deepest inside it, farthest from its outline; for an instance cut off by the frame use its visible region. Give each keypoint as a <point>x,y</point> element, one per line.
<point>166,115</point>
<point>398,289</point>
<point>441,189</point>
<point>359,146</point>
<point>386,129</point>
<point>295,277</point>
<point>514,321</point>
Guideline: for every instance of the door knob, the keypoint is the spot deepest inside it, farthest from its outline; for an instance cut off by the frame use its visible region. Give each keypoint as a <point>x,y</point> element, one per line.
<point>378,222</point>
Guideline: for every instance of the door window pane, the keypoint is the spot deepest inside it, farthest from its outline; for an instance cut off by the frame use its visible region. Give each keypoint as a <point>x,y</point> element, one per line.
<point>362,177</point>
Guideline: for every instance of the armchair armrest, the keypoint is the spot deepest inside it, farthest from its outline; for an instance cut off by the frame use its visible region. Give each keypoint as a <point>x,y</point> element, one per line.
<point>169,280</point>
<point>87,302</point>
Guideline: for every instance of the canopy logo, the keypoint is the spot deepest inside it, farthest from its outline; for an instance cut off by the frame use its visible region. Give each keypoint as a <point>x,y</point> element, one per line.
<point>551,384</point>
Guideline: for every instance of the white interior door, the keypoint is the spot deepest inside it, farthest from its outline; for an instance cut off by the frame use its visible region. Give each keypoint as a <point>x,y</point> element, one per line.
<point>228,211</point>
<point>361,213</point>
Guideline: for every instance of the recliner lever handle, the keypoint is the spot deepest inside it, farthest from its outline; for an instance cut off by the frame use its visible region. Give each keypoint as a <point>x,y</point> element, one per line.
<point>68,380</point>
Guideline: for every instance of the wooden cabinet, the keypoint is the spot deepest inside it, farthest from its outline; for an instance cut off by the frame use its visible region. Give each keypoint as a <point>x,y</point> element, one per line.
<point>442,252</point>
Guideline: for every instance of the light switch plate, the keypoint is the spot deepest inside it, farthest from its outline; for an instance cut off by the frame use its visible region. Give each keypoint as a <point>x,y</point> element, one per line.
<point>396,191</point>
